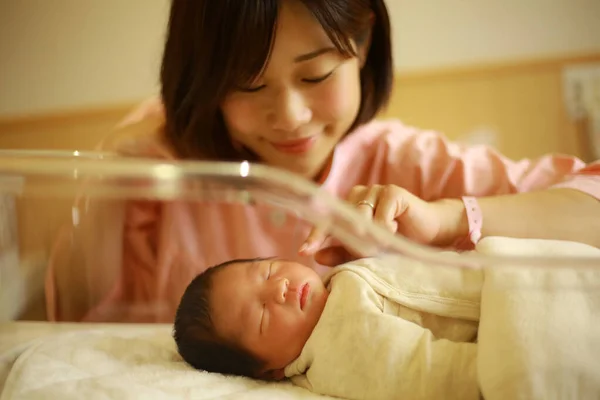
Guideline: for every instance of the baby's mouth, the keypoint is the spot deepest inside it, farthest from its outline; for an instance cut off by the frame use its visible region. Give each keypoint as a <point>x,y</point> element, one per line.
<point>303,295</point>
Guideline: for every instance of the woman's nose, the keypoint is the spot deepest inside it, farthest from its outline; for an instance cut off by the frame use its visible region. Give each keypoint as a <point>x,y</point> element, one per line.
<point>289,112</point>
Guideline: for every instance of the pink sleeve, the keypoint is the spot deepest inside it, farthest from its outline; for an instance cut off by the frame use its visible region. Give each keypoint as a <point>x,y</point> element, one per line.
<point>432,167</point>
<point>127,233</point>
<point>140,133</point>
<point>586,180</point>
<point>149,108</point>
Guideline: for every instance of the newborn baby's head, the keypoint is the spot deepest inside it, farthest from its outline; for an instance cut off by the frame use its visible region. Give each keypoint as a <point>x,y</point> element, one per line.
<point>249,317</point>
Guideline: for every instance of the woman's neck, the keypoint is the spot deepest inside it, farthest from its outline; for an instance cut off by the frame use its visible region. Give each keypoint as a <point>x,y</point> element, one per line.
<point>321,177</point>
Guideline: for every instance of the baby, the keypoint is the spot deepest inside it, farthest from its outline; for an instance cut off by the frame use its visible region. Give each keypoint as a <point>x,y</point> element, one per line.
<point>373,328</point>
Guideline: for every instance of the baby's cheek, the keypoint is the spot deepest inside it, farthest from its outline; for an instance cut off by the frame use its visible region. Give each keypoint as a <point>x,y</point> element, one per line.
<point>287,322</point>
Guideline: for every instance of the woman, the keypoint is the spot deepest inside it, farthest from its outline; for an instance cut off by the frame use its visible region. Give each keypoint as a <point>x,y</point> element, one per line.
<point>296,84</point>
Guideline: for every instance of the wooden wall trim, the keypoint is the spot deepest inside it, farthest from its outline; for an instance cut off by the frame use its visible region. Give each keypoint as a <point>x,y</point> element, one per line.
<point>61,117</point>
<point>498,68</point>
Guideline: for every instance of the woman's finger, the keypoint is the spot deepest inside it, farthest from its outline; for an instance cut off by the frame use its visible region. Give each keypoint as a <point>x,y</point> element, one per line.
<point>317,237</point>
<point>333,256</point>
<point>313,242</point>
<point>365,199</point>
<point>356,193</point>
<point>389,207</point>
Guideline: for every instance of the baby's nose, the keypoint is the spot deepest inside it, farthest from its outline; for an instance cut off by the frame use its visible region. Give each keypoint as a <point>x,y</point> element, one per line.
<point>281,288</point>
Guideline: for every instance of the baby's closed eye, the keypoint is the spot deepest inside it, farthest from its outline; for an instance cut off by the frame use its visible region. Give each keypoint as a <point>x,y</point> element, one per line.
<point>268,273</point>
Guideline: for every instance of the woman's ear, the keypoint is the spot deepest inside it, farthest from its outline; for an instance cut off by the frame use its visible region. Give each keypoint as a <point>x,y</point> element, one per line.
<point>272,375</point>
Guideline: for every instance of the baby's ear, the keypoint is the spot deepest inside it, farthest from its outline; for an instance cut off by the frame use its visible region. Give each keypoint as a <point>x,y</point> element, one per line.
<point>272,375</point>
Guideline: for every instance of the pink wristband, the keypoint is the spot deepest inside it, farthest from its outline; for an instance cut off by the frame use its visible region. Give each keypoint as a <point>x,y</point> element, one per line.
<point>474,218</point>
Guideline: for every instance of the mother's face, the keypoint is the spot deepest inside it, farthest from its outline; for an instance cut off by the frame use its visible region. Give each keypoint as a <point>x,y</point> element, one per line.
<point>305,101</point>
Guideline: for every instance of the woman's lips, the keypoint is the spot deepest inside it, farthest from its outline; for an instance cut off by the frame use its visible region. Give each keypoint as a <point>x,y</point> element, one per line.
<point>303,295</point>
<point>297,146</point>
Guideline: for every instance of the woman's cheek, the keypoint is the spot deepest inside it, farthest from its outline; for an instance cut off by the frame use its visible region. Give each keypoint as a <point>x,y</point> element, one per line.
<point>336,99</point>
<point>238,114</point>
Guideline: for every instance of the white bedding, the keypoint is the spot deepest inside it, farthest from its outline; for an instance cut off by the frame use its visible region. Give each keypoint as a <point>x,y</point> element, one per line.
<point>121,362</point>
<point>527,353</point>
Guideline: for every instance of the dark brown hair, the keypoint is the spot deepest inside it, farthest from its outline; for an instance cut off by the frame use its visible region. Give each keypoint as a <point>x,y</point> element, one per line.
<point>197,341</point>
<point>214,46</point>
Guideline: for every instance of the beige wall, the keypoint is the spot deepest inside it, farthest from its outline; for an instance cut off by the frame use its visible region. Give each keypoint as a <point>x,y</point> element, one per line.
<point>447,33</point>
<point>519,108</point>
<point>70,54</point>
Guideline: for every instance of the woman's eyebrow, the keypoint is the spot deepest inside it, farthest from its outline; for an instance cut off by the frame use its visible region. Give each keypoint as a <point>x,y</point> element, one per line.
<point>313,54</point>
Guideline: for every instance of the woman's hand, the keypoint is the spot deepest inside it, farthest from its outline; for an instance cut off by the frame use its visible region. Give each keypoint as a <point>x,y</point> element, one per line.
<point>438,223</point>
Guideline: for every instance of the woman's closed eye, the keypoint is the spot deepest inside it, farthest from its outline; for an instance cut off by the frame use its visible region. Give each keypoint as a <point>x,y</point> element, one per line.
<point>314,80</point>
<point>251,89</point>
<point>319,78</point>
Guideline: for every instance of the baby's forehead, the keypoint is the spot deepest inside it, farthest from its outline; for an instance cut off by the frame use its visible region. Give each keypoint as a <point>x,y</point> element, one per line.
<point>231,292</point>
<point>237,272</point>
<point>257,263</point>
<point>249,262</point>
<point>236,264</point>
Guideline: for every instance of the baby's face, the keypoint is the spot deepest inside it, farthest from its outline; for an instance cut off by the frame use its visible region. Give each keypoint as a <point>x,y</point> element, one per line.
<point>269,307</point>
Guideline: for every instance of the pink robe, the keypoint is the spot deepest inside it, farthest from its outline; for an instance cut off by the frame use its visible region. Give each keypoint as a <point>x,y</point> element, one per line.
<point>156,248</point>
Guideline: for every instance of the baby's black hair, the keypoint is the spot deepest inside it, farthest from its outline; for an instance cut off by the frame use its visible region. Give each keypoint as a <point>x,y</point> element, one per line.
<point>194,332</point>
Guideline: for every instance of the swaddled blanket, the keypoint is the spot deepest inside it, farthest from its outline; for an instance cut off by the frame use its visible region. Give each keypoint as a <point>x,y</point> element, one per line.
<point>395,328</point>
<point>539,334</point>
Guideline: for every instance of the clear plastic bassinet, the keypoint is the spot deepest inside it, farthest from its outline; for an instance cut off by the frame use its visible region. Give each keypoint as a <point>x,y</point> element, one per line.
<point>65,230</point>
<point>64,214</point>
